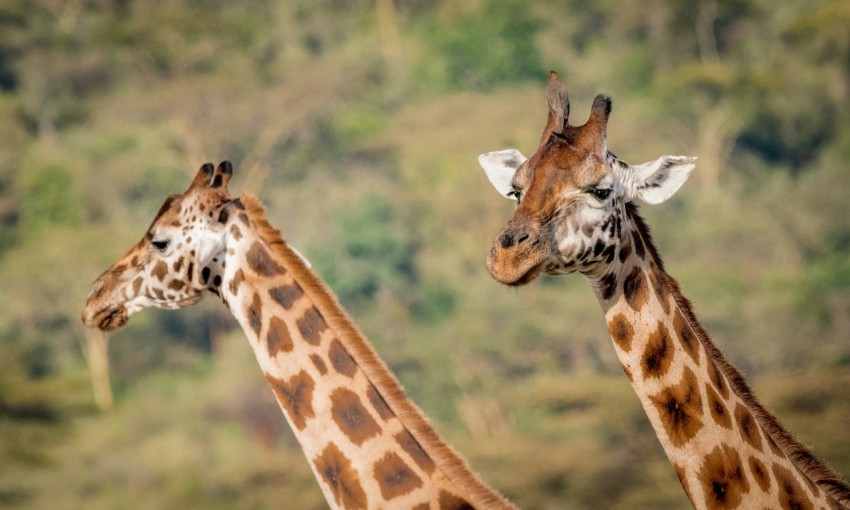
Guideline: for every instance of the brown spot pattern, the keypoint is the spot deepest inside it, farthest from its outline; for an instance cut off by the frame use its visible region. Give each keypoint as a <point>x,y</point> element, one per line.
<point>718,380</point>
<point>658,354</point>
<point>311,325</point>
<point>625,251</point>
<point>760,474</point>
<point>638,242</point>
<point>724,481</point>
<point>379,403</point>
<point>286,295</point>
<point>137,285</point>
<point>686,335</point>
<point>339,475</point>
<point>341,360</point>
<point>160,270</point>
<point>635,289</point>
<point>657,280</point>
<point>237,280</point>
<point>622,332</point>
<point>235,232</point>
<point>774,447</point>
<point>748,427</point>
<point>680,408</point>
<point>394,477</point>
<point>422,506</point>
<point>260,262</point>
<point>607,285</point>
<point>449,501</point>
<point>791,495</point>
<point>409,444</point>
<point>352,417</point>
<point>717,408</point>
<point>176,284</point>
<point>278,338</point>
<point>255,315</point>
<point>295,396</point>
<point>319,363</point>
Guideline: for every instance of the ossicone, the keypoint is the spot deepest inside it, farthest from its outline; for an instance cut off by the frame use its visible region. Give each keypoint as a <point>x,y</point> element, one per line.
<point>559,103</point>
<point>213,177</point>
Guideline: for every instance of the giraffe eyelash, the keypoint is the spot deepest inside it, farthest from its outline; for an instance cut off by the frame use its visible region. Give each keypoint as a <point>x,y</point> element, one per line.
<point>600,193</point>
<point>159,244</point>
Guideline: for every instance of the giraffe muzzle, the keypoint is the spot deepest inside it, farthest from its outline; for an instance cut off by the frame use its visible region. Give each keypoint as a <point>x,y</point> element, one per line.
<point>517,257</point>
<point>106,319</point>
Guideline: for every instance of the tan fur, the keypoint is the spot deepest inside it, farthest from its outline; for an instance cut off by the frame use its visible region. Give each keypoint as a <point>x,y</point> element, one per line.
<point>815,469</point>
<point>455,467</point>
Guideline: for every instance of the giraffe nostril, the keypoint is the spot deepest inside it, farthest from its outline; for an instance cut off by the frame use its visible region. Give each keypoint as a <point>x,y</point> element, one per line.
<point>506,240</point>
<point>513,238</point>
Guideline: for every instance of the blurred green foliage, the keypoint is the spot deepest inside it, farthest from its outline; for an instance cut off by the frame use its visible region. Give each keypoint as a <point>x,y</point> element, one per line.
<point>363,147</point>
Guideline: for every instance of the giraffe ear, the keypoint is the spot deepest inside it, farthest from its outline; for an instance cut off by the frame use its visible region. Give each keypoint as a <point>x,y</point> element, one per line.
<point>211,244</point>
<point>655,181</point>
<point>500,167</point>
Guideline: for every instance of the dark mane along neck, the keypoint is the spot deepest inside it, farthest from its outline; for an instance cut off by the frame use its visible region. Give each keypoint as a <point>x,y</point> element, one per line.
<point>814,468</point>
<point>389,389</point>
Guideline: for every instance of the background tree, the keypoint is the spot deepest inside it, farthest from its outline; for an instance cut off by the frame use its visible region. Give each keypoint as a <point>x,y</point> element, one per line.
<point>358,124</point>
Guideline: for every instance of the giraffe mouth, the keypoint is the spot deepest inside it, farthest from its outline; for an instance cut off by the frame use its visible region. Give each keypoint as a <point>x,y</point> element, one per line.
<point>512,276</point>
<point>107,319</point>
<point>532,273</point>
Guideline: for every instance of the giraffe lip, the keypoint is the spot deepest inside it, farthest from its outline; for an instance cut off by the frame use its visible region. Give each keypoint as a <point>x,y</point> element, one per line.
<point>532,273</point>
<point>107,319</point>
<point>512,278</point>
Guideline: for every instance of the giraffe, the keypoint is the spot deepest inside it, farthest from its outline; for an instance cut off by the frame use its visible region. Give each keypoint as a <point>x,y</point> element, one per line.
<point>575,212</point>
<point>368,445</point>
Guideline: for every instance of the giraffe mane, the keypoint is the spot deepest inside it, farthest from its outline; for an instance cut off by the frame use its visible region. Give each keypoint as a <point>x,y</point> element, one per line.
<point>811,466</point>
<point>376,370</point>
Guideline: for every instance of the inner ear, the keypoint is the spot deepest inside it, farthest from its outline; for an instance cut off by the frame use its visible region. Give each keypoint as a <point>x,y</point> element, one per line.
<point>500,167</point>
<point>655,181</point>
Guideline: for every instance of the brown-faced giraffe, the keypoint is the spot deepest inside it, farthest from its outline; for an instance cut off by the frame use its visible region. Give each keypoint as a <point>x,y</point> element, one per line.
<point>575,213</point>
<point>368,445</point>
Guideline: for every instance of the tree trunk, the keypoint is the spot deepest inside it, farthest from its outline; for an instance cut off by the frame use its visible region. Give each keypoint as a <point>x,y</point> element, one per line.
<point>97,356</point>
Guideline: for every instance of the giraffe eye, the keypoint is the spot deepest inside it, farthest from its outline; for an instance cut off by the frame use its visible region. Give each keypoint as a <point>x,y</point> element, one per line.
<point>601,193</point>
<point>515,194</point>
<point>160,244</point>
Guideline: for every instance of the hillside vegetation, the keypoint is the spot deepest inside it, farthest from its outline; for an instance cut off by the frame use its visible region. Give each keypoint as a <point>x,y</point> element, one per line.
<point>358,124</point>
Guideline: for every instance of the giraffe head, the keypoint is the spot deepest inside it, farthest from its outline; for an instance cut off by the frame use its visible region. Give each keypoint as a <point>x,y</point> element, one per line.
<point>571,195</point>
<point>176,263</point>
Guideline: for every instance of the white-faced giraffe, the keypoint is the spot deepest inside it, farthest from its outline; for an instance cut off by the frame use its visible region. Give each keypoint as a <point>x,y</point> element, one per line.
<point>576,213</point>
<point>367,443</point>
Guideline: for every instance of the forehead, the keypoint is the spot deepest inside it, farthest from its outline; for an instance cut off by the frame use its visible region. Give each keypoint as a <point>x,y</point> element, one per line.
<point>559,164</point>
<point>185,209</point>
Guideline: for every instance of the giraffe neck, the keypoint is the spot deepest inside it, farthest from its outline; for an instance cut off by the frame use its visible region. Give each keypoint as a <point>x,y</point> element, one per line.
<point>727,450</point>
<point>368,445</point>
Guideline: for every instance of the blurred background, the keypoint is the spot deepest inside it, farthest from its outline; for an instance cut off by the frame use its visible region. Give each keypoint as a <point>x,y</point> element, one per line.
<point>358,123</point>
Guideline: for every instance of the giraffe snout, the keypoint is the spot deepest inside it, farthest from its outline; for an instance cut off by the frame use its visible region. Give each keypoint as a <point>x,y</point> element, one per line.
<point>99,312</point>
<point>514,237</point>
